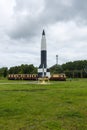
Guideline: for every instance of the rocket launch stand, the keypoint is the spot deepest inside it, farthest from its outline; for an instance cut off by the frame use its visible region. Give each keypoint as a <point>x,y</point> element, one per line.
<point>43,80</point>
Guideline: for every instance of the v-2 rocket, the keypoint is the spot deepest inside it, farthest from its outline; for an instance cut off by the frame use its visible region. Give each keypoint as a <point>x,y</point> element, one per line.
<point>42,70</point>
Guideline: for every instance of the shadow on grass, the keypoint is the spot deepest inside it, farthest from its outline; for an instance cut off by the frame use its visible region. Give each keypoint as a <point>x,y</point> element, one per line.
<point>24,90</point>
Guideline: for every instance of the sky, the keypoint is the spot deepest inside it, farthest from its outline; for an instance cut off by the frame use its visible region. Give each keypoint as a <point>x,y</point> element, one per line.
<point>21,25</point>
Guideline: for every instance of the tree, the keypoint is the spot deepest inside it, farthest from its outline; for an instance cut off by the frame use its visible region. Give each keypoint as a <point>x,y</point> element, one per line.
<point>56,69</point>
<point>75,68</point>
<point>3,71</point>
<point>23,69</point>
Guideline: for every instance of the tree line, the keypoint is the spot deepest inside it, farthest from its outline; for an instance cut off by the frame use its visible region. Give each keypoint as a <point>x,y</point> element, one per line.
<point>22,69</point>
<point>71,69</point>
<point>75,69</point>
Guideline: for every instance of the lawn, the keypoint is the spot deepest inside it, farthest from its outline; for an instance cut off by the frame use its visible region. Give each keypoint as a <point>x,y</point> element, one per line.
<point>55,106</point>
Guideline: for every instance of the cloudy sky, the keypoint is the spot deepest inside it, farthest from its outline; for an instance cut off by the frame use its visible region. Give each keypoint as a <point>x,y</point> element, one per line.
<point>21,25</point>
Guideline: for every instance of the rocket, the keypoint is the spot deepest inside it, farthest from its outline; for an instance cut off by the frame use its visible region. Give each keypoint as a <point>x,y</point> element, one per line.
<point>43,71</point>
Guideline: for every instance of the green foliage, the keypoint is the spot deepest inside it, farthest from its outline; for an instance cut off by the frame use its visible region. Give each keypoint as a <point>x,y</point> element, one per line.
<point>23,69</point>
<point>71,69</point>
<point>3,71</point>
<point>56,106</point>
<point>76,65</point>
<point>56,69</point>
<point>75,68</point>
<point>67,68</point>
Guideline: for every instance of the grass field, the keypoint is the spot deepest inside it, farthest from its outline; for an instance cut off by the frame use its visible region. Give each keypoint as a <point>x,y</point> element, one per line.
<point>56,106</point>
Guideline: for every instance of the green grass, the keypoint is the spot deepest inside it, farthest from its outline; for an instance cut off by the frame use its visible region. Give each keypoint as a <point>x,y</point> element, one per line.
<point>56,106</point>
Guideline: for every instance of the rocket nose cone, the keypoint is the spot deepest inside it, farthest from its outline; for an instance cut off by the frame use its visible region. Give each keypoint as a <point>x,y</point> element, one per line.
<point>43,33</point>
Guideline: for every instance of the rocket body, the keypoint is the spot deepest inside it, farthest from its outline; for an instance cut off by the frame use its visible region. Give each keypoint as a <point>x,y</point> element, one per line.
<point>43,51</point>
<point>42,70</point>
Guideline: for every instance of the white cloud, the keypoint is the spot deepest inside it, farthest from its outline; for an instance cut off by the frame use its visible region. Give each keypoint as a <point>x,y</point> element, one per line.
<point>21,24</point>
